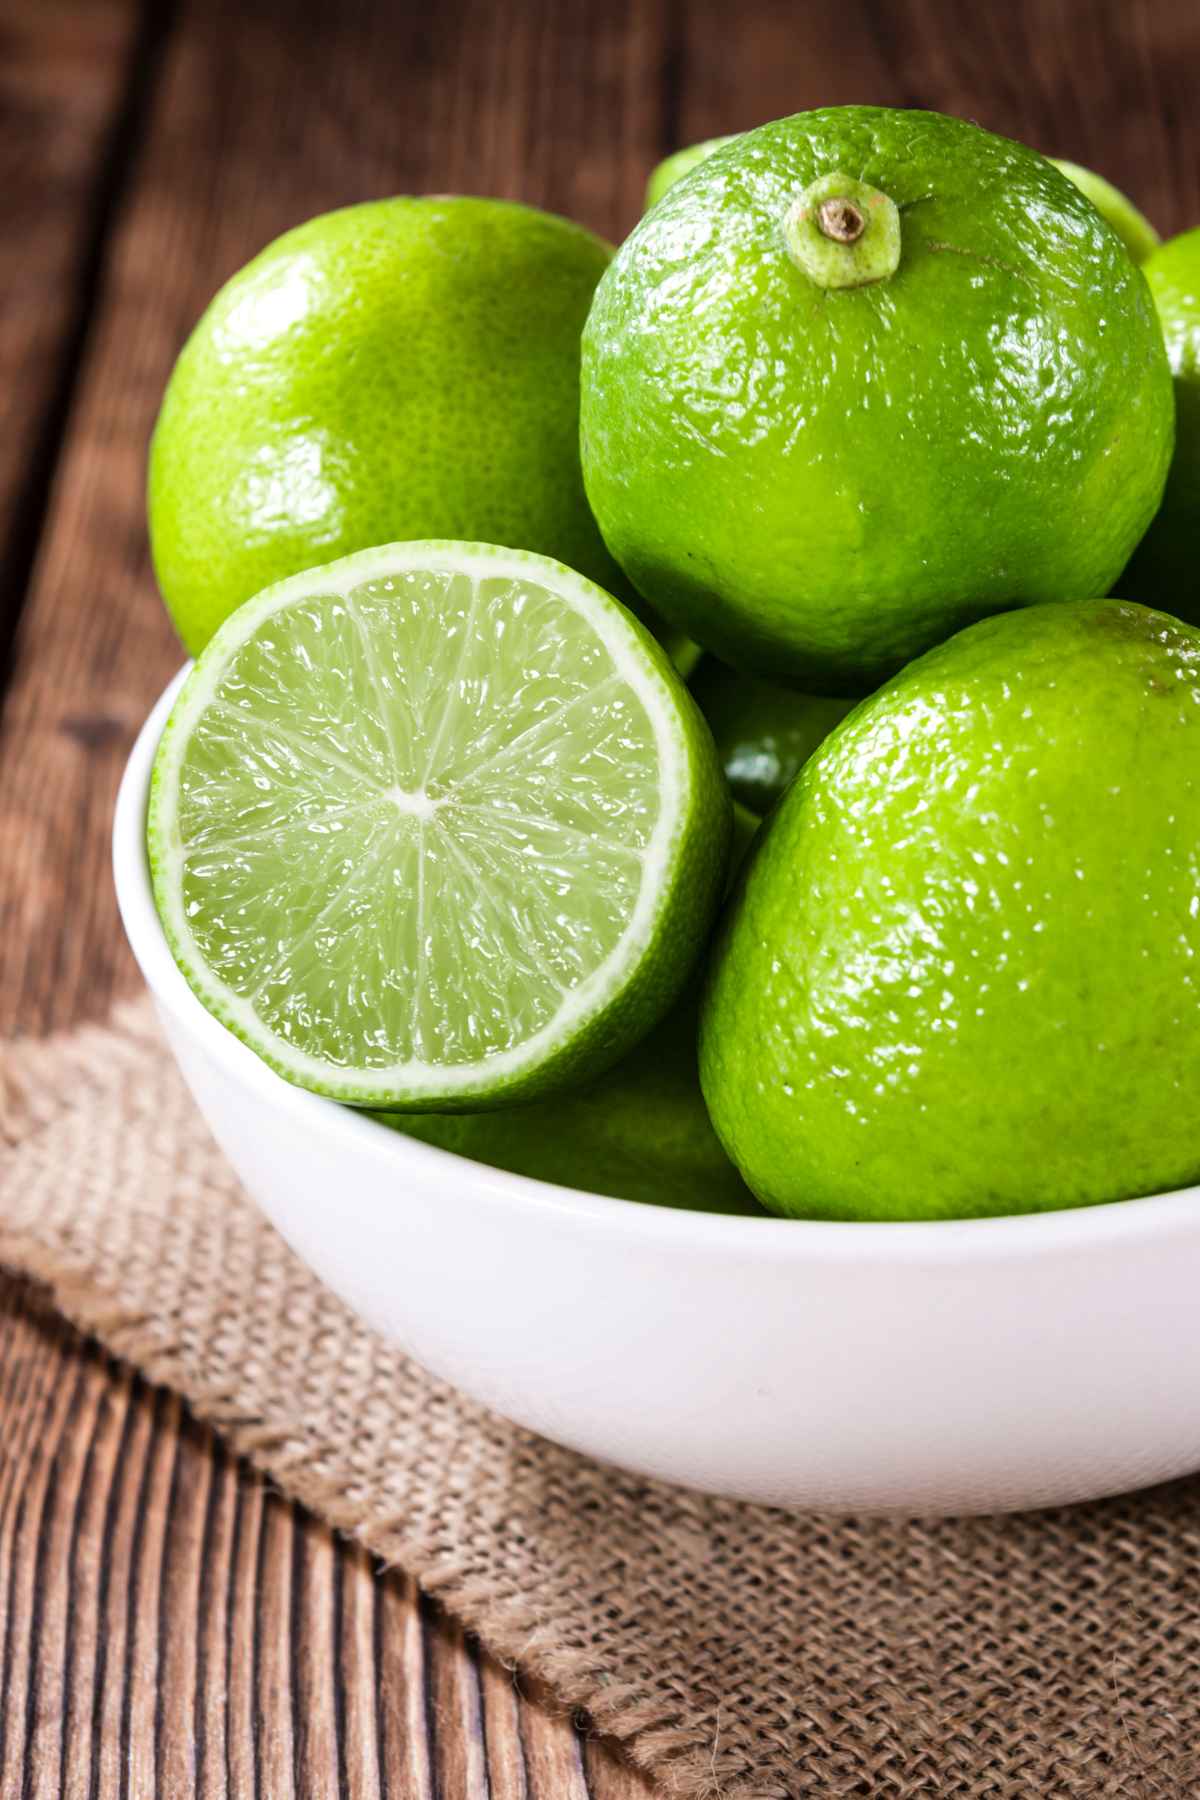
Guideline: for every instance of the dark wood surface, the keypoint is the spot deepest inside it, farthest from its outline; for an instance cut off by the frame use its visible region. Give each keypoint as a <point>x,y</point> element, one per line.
<point>167,1626</point>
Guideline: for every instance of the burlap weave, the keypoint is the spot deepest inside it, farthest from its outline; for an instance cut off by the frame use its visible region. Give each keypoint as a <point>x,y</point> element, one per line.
<point>735,1650</point>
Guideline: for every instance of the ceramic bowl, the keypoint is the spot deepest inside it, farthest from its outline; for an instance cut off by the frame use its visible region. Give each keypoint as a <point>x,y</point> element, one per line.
<point>948,1367</point>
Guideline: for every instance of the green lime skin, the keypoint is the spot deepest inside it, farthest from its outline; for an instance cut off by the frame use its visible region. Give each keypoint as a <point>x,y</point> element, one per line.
<point>959,975</point>
<point>673,168</point>
<point>1165,570</point>
<point>745,830</point>
<point>764,733</point>
<point>407,368</point>
<point>640,1132</point>
<point>1132,227</point>
<point>818,482</point>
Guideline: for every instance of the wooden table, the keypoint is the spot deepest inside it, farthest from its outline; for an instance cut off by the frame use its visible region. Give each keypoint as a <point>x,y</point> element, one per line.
<point>145,152</point>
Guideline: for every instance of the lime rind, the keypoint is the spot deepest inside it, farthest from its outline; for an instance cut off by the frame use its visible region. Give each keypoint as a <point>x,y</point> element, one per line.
<point>1117,210</point>
<point>672,869</point>
<point>673,168</point>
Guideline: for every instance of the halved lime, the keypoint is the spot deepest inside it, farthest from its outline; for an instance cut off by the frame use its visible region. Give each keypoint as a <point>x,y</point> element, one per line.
<point>436,825</point>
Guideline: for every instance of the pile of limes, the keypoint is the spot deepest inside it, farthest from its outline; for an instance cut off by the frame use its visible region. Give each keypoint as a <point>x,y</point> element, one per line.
<point>516,570</point>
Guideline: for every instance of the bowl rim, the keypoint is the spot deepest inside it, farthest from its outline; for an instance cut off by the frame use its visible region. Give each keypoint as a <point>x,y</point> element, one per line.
<point>1066,1231</point>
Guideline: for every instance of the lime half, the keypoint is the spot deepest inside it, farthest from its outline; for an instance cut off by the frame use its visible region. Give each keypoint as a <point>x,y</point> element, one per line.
<point>437,825</point>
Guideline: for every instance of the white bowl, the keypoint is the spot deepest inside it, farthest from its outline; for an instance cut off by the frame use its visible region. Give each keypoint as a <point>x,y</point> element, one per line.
<point>951,1367</point>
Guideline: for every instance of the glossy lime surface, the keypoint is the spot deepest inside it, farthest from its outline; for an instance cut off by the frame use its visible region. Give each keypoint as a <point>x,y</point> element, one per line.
<point>764,733</point>
<point>407,368</point>
<point>818,484</point>
<point>673,168</point>
<point>961,974</point>
<point>1131,226</point>
<point>1165,570</point>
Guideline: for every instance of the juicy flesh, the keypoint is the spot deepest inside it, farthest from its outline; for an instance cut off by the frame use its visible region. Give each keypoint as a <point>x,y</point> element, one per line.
<point>414,817</point>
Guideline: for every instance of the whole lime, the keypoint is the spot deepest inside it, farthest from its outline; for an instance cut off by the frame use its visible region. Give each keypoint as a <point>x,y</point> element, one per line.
<point>640,1132</point>
<point>408,368</point>
<point>960,975</point>
<point>764,733</point>
<point>862,377</point>
<point>1131,226</point>
<point>680,163</point>
<point>1165,570</point>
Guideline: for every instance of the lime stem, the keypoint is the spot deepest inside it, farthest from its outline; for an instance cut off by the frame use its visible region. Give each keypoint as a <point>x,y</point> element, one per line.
<point>841,220</point>
<point>842,233</point>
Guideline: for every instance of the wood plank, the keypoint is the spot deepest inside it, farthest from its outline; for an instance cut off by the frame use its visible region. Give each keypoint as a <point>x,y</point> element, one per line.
<point>66,70</point>
<point>169,1627</point>
<point>1111,87</point>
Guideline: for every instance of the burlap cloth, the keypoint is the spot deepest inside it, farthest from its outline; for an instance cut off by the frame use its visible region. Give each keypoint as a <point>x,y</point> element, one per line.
<point>734,1650</point>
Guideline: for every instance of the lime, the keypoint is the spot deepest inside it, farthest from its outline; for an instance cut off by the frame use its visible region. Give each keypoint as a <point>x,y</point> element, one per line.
<point>639,1132</point>
<point>1164,568</point>
<point>764,733</point>
<point>407,368</point>
<point>681,163</point>
<point>1132,227</point>
<point>960,974</point>
<point>861,377</point>
<point>745,830</point>
<point>436,825</point>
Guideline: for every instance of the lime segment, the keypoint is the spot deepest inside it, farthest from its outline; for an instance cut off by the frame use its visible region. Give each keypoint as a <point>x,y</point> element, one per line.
<point>437,824</point>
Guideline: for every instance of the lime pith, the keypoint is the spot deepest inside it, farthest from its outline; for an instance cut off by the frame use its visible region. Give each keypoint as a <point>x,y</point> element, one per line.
<point>436,825</point>
<point>638,1132</point>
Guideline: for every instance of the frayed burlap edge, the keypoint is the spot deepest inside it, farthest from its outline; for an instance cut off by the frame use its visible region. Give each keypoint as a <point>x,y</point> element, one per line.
<point>42,1078</point>
<point>731,1650</point>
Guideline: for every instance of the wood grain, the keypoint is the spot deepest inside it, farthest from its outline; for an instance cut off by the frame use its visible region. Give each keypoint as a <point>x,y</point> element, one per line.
<point>66,75</point>
<point>168,1626</point>
<point>1109,85</point>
